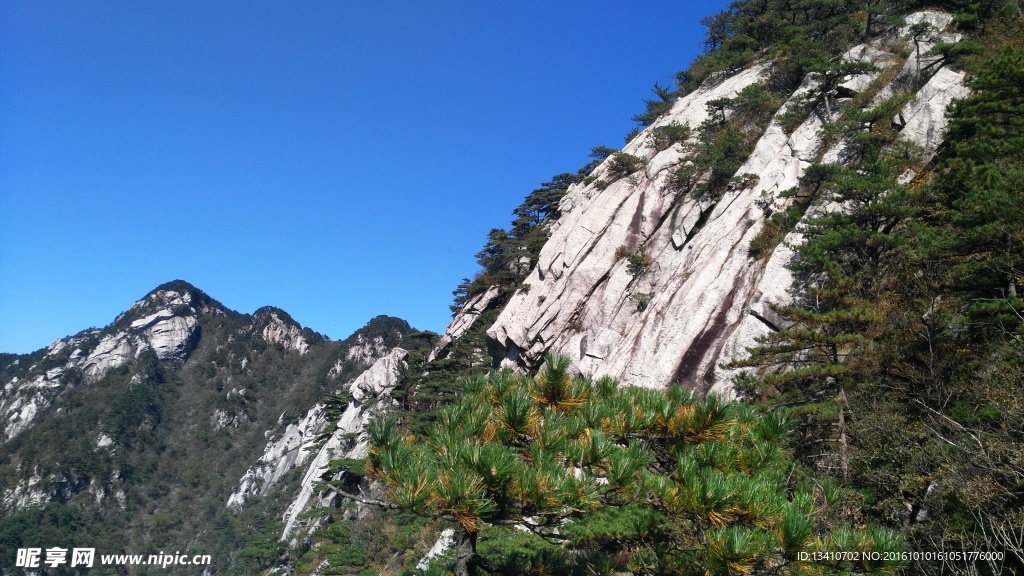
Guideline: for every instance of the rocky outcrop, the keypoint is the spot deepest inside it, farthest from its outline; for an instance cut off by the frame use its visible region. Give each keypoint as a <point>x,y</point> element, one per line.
<point>25,494</point>
<point>922,121</point>
<point>370,398</point>
<point>464,320</point>
<point>443,543</point>
<point>366,350</point>
<point>39,490</point>
<point>164,322</point>
<point>699,299</point>
<point>170,336</point>
<point>297,445</point>
<point>280,456</point>
<point>279,330</point>
<point>147,388</point>
<point>168,326</point>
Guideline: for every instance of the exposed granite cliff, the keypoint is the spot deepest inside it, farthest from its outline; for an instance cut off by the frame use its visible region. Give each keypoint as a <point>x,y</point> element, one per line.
<point>147,427</point>
<point>298,442</point>
<point>275,327</point>
<point>703,299</point>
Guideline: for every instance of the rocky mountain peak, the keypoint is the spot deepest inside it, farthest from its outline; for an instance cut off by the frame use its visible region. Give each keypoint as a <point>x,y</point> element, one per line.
<point>165,322</point>
<point>177,296</point>
<point>277,328</point>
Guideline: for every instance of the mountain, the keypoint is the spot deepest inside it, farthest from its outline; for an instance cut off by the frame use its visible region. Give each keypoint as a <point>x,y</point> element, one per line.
<point>822,223</point>
<point>182,424</point>
<point>651,286</point>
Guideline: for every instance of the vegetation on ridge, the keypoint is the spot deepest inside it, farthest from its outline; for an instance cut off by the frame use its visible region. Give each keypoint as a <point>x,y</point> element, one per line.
<point>143,459</point>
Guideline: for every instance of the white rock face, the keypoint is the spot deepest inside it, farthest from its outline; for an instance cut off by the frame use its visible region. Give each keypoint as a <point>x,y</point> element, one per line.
<point>936,19</point>
<point>462,321</point>
<point>282,333</point>
<point>113,351</point>
<point>19,412</point>
<point>163,299</point>
<point>170,331</point>
<point>167,334</point>
<point>925,115</point>
<point>445,541</point>
<point>367,350</point>
<point>26,494</point>
<point>707,298</point>
<point>280,457</point>
<point>370,393</point>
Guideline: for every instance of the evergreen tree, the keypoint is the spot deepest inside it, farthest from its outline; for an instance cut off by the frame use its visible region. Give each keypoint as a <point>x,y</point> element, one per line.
<point>509,255</point>
<point>623,478</point>
<point>906,356</point>
<point>978,211</point>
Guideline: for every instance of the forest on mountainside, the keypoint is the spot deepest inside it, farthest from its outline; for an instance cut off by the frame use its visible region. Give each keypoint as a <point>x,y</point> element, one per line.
<point>885,415</point>
<point>145,455</point>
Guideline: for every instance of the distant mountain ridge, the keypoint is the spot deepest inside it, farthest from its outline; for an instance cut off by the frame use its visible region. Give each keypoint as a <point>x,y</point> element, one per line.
<point>159,414</point>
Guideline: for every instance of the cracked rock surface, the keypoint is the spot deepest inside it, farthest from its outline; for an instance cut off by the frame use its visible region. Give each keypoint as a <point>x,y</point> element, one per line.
<point>707,300</point>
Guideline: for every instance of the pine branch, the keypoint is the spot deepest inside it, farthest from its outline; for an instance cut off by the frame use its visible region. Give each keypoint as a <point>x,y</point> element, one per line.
<point>361,499</point>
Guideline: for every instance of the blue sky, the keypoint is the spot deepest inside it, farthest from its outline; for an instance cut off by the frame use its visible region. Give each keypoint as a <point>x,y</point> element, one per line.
<point>338,160</point>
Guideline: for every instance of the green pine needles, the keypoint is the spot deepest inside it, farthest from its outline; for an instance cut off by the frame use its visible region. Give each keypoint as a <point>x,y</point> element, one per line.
<point>608,478</point>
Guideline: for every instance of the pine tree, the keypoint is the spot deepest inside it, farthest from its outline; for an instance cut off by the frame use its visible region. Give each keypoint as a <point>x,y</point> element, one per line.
<point>624,478</point>
<point>907,352</point>
<point>977,218</point>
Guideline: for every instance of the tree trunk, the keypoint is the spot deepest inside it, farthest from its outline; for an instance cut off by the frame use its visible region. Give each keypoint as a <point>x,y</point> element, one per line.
<point>465,554</point>
<point>844,457</point>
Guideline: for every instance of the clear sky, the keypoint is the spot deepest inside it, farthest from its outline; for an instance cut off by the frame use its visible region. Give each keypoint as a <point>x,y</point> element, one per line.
<point>337,159</point>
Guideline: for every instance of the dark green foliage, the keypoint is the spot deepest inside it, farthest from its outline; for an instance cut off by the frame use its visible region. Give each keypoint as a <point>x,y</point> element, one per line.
<point>823,96</point>
<point>664,136</point>
<point>798,37</point>
<point>637,260</point>
<point>774,230</point>
<point>782,221</point>
<point>725,140</point>
<point>509,255</point>
<point>642,300</point>
<point>656,107</point>
<point>599,153</point>
<point>370,545</point>
<point>424,387</point>
<point>265,549</point>
<point>978,224</point>
<point>807,37</point>
<point>390,330</point>
<point>633,133</point>
<point>622,165</point>
<point>906,357</point>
